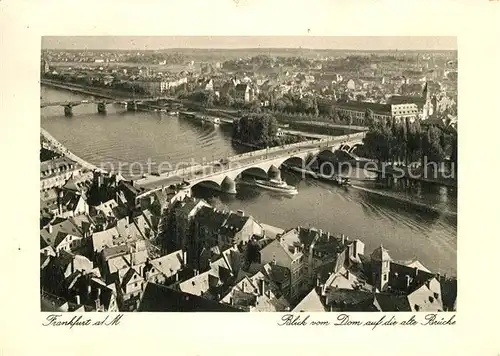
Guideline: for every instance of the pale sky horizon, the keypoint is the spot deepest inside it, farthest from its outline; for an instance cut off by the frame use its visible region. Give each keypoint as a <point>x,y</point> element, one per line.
<point>240,42</point>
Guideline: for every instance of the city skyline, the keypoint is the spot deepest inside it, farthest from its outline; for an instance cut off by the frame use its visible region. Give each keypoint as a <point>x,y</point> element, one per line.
<point>366,43</point>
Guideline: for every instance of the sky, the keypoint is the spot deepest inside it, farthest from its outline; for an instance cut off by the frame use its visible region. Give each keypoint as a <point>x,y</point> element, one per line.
<point>225,42</point>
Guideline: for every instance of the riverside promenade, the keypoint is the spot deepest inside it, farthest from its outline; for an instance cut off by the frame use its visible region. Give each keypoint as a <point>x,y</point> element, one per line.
<point>60,148</point>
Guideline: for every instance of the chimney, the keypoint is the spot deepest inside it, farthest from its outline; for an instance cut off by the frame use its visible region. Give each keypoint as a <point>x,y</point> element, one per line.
<point>195,272</point>
<point>77,299</point>
<point>60,208</point>
<point>416,271</point>
<point>262,286</point>
<point>89,289</point>
<point>184,257</point>
<point>407,281</point>
<point>438,277</point>
<point>320,233</point>
<point>342,239</point>
<point>241,213</point>
<point>355,249</point>
<point>328,236</point>
<point>347,274</point>
<point>49,228</point>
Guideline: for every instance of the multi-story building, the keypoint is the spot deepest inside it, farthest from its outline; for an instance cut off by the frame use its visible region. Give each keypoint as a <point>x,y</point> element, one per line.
<point>357,111</point>
<point>244,93</point>
<point>287,251</point>
<point>56,172</point>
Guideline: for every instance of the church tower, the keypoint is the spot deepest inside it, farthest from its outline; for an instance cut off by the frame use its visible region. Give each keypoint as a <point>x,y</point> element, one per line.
<point>427,109</point>
<point>381,266</point>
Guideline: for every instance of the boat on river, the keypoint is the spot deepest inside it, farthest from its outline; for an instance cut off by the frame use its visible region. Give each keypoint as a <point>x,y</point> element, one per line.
<point>335,178</point>
<point>276,186</point>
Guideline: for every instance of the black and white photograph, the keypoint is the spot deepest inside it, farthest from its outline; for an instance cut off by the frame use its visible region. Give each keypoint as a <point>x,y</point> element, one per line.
<point>290,174</point>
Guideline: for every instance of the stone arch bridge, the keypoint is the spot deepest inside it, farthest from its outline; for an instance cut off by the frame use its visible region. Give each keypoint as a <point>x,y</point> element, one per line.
<point>222,176</point>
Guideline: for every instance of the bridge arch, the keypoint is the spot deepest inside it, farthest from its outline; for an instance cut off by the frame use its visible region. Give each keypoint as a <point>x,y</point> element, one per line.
<point>208,183</point>
<point>326,155</point>
<point>253,171</point>
<point>294,161</point>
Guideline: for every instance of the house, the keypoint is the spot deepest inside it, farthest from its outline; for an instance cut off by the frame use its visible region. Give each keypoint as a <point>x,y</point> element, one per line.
<point>64,235</point>
<point>55,172</point>
<point>71,203</point>
<point>165,268</point>
<point>129,286</point>
<point>59,272</point>
<point>184,211</point>
<point>67,242</point>
<point>244,93</point>
<point>92,292</point>
<point>239,228</point>
<point>255,295</point>
<point>220,273</point>
<point>287,251</point>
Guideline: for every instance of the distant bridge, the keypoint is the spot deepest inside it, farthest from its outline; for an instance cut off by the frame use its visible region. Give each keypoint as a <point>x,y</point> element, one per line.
<point>129,103</point>
<point>222,176</point>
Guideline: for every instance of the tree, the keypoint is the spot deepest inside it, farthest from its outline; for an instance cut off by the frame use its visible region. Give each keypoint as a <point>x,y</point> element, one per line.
<point>369,119</point>
<point>431,145</point>
<point>256,129</point>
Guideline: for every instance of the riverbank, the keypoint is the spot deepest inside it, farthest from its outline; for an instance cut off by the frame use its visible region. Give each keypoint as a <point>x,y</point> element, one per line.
<point>61,149</point>
<point>415,174</point>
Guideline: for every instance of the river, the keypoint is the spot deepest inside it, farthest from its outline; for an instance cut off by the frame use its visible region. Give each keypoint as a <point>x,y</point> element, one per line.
<point>420,223</point>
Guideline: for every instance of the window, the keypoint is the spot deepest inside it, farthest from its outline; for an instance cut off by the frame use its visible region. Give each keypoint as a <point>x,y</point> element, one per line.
<point>385,277</point>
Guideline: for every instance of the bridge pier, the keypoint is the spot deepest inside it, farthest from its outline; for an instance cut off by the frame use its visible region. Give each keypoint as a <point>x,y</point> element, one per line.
<point>101,108</point>
<point>228,186</point>
<point>131,106</point>
<point>68,110</point>
<point>274,173</point>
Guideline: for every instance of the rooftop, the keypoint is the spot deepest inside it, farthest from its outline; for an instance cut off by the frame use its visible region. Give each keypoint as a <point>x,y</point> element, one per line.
<point>157,298</point>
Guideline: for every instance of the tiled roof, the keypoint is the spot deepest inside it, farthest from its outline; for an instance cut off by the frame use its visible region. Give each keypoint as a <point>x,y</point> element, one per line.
<point>236,221</point>
<point>114,251</point>
<point>310,303</point>
<point>169,264</point>
<point>199,284</point>
<point>380,254</point>
<point>401,99</point>
<point>392,303</point>
<point>363,106</point>
<point>106,238</point>
<point>157,298</point>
